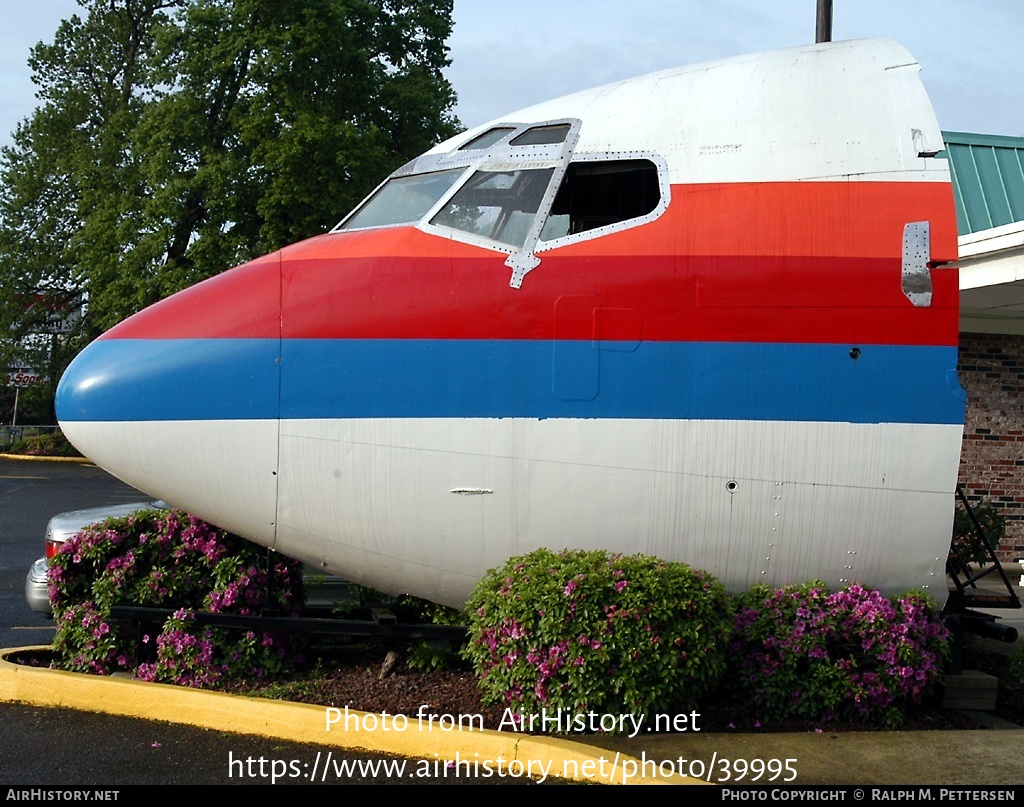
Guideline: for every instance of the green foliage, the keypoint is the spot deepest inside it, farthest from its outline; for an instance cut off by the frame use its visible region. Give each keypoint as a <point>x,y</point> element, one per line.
<point>178,138</point>
<point>34,403</point>
<point>54,444</point>
<point>1011,683</point>
<point>416,609</point>
<point>992,522</point>
<point>427,656</point>
<point>356,600</point>
<point>171,560</point>
<point>591,631</point>
<point>802,652</point>
<point>431,655</point>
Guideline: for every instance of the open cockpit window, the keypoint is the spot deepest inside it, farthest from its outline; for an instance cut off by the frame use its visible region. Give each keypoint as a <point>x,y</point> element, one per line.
<point>600,193</point>
<point>497,205</point>
<point>402,200</point>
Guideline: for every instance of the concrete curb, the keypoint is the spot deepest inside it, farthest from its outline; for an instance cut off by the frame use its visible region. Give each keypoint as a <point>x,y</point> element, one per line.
<point>304,723</point>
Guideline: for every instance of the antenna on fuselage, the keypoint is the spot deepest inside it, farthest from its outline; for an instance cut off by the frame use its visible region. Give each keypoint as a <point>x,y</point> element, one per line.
<point>823,26</point>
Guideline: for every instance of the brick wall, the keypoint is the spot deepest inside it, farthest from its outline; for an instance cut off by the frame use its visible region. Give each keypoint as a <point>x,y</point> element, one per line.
<point>992,461</point>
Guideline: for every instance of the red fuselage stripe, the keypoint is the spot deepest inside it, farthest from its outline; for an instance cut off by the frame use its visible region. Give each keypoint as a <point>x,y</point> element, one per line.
<point>778,262</point>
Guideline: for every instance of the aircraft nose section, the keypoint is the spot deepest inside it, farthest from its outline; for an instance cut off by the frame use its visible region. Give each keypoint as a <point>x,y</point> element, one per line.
<point>182,399</point>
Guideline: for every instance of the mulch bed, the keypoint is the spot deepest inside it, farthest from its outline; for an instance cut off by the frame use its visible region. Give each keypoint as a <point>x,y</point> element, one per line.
<point>350,676</point>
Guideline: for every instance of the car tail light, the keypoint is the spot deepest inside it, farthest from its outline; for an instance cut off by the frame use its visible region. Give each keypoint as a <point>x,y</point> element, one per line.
<point>52,547</point>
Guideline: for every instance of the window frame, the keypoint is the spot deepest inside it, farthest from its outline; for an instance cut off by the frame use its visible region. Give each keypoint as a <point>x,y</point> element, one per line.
<point>502,155</point>
<point>664,197</point>
<point>343,225</point>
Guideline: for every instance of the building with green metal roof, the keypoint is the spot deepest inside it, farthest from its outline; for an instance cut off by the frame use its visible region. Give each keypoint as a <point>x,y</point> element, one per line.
<point>988,185</point>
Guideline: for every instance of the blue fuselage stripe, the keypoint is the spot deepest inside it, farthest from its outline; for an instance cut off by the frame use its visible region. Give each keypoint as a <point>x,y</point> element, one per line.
<point>245,379</point>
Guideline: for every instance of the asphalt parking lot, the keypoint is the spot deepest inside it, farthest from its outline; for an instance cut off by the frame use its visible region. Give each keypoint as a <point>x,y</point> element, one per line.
<point>30,493</point>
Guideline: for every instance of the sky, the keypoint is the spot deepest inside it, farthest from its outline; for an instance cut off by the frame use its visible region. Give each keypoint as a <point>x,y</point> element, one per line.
<point>508,54</point>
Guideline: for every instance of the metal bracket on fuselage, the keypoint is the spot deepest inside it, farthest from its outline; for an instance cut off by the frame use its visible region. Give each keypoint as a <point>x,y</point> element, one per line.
<point>917,251</point>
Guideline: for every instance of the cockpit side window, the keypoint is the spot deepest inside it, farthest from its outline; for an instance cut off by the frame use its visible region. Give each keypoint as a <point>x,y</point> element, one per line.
<point>600,193</point>
<point>498,205</point>
<point>402,200</point>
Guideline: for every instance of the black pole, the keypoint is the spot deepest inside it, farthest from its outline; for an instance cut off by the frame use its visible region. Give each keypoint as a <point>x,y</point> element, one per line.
<point>823,28</point>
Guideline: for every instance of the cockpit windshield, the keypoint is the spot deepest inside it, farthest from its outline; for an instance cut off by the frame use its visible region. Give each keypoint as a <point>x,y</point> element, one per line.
<point>499,205</point>
<point>403,200</point>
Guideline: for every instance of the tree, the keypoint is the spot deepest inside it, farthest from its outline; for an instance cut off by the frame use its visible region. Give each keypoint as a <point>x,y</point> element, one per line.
<point>178,138</point>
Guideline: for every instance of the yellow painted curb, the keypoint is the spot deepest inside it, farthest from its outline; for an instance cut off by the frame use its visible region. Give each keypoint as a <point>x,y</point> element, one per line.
<point>304,723</point>
<point>35,458</point>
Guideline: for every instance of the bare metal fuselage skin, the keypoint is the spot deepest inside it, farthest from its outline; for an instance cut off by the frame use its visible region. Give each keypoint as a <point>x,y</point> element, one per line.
<point>702,314</point>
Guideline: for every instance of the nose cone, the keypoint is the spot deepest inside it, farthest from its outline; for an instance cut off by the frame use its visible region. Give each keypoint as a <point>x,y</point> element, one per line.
<point>182,399</point>
<point>194,379</point>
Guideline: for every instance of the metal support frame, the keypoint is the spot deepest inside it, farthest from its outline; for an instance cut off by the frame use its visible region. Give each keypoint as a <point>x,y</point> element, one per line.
<point>957,615</point>
<point>381,624</point>
<point>965,579</point>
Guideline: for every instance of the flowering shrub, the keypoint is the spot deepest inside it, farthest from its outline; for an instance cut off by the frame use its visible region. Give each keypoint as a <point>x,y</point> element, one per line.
<point>168,559</point>
<point>590,631</point>
<point>45,445</point>
<point>803,652</point>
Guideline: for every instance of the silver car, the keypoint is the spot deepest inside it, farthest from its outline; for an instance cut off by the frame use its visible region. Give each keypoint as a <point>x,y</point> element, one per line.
<point>322,591</point>
<point>61,527</point>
